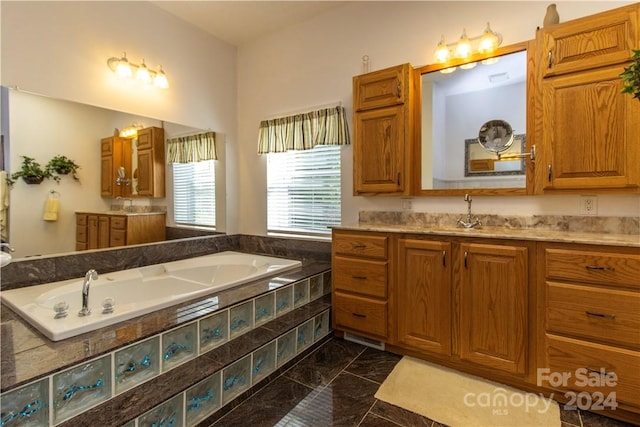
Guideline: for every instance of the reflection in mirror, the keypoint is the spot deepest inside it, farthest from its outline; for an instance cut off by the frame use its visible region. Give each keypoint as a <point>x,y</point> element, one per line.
<point>455,105</point>
<point>42,127</point>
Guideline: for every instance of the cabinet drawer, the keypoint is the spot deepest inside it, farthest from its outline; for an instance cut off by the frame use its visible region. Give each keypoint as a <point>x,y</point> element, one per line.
<point>117,238</point>
<point>606,314</point>
<point>585,43</point>
<point>593,267</point>
<point>595,361</point>
<point>360,276</point>
<point>360,314</point>
<point>81,220</point>
<point>372,246</point>
<point>118,222</point>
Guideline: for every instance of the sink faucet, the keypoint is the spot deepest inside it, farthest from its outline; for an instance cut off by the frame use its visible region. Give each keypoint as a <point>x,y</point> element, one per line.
<point>91,275</point>
<point>470,222</point>
<point>124,201</point>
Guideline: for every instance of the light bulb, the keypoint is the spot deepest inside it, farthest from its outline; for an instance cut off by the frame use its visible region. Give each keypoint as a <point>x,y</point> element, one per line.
<point>123,69</point>
<point>143,74</point>
<point>448,70</point>
<point>468,65</point>
<point>463,48</point>
<point>442,51</point>
<point>161,80</point>
<point>489,41</point>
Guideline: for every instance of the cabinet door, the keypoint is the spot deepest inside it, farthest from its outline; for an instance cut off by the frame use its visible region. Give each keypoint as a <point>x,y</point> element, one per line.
<point>103,231</point>
<point>379,150</point>
<point>92,232</point>
<point>145,173</point>
<point>493,306</point>
<point>423,307</point>
<point>591,134</point>
<point>381,88</point>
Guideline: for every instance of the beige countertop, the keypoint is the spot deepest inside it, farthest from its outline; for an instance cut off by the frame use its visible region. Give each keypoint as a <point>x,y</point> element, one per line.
<point>122,213</point>
<point>629,240</point>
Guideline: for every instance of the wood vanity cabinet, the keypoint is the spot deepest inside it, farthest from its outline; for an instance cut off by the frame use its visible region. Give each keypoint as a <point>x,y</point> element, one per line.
<point>590,132</point>
<point>360,268</point>
<point>115,153</point>
<point>383,123</point>
<point>97,231</point>
<point>590,307</point>
<point>465,300</point>
<point>151,158</point>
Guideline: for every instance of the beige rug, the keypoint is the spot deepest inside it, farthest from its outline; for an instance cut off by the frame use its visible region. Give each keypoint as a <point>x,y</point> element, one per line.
<point>460,400</point>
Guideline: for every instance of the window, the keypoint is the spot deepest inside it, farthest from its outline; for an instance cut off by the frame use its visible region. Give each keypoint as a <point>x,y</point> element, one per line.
<point>303,191</point>
<point>194,193</point>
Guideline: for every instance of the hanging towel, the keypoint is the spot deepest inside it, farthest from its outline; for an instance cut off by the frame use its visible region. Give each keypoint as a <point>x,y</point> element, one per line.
<point>4,205</point>
<point>51,209</point>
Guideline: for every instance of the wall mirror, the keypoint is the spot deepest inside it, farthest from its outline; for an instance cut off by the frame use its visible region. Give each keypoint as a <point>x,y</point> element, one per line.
<point>456,100</point>
<point>41,127</point>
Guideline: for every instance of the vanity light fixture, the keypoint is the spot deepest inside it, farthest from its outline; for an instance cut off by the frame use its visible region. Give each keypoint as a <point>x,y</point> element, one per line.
<point>126,70</point>
<point>487,42</point>
<point>131,131</point>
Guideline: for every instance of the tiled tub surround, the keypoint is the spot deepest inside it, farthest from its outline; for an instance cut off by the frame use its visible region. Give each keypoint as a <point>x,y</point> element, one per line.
<point>194,368</point>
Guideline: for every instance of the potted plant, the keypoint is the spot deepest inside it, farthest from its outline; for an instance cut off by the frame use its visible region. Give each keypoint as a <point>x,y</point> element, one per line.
<point>31,172</point>
<point>62,165</point>
<point>631,76</point>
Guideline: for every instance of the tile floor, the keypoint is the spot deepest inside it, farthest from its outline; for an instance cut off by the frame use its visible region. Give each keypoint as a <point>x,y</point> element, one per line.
<point>335,386</point>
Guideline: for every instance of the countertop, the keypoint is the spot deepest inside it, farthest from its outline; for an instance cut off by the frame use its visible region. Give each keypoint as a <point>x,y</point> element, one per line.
<point>628,240</point>
<point>122,213</point>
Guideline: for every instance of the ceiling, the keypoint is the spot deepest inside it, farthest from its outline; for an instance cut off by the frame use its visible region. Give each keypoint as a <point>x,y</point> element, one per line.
<point>238,22</point>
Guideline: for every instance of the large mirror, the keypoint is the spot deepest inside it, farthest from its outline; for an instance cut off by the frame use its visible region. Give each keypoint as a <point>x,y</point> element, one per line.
<point>456,100</point>
<point>42,127</point>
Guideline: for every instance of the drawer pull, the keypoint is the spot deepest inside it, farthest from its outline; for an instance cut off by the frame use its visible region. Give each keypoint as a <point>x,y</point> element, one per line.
<point>598,268</point>
<point>601,372</point>
<point>359,277</point>
<point>601,315</point>
<point>359,315</point>
<point>360,246</point>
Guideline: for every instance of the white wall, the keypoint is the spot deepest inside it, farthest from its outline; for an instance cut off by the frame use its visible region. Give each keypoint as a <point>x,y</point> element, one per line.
<point>313,64</point>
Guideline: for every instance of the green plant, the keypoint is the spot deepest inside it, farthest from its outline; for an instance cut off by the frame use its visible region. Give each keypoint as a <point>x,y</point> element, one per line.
<point>30,171</point>
<point>62,165</point>
<point>631,76</point>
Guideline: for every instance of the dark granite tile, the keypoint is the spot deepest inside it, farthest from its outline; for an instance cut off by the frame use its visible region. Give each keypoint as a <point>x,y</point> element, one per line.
<point>25,273</point>
<point>269,405</point>
<point>375,421</point>
<point>343,402</point>
<point>591,419</point>
<point>322,366</point>
<point>374,364</point>
<point>399,415</point>
<point>570,416</point>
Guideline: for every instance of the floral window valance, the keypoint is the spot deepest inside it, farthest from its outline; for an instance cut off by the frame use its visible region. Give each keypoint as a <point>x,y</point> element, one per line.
<point>304,131</point>
<point>192,148</point>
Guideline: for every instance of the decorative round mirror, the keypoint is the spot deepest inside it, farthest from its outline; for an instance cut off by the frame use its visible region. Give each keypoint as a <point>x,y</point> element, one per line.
<point>495,136</point>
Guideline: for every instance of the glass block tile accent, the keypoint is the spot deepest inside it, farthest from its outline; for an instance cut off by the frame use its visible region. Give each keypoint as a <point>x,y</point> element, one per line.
<point>236,378</point>
<point>136,364</point>
<point>179,345</point>
<point>240,319</point>
<point>169,413</point>
<point>26,406</point>
<point>214,331</point>
<point>203,399</point>
<point>264,361</point>
<point>264,308</point>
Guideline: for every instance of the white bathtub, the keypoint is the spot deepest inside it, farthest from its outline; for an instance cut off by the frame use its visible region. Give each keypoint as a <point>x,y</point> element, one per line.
<point>138,291</point>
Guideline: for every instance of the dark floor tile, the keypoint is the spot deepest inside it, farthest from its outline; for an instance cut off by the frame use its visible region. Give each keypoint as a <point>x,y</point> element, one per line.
<point>374,364</point>
<point>268,406</point>
<point>570,417</point>
<point>343,402</point>
<point>399,415</point>
<point>321,366</point>
<point>375,421</point>
<point>591,419</point>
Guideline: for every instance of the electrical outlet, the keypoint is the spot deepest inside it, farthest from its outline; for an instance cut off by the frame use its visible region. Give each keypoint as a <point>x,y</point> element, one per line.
<point>406,205</point>
<point>588,205</point>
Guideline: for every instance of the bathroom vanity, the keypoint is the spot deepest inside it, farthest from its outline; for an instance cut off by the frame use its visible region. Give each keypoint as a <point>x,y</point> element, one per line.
<point>118,228</point>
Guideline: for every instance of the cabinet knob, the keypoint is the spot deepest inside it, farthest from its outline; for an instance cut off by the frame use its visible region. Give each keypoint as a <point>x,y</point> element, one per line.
<point>359,315</point>
<point>549,59</point>
<point>549,172</point>
<point>600,315</point>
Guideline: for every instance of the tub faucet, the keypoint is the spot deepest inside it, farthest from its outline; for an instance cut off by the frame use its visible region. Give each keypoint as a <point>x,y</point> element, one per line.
<point>470,222</point>
<point>91,275</point>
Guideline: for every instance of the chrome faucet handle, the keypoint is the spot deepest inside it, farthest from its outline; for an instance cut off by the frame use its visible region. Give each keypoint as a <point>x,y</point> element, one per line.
<point>61,310</point>
<point>8,246</point>
<point>107,305</point>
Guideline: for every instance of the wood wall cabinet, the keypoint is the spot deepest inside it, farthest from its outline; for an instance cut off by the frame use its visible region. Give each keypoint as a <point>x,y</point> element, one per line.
<point>151,163</point>
<point>590,132</point>
<point>383,123</point>
<point>359,283</point>
<point>97,231</point>
<point>147,172</point>
<point>591,311</point>
<point>115,152</point>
